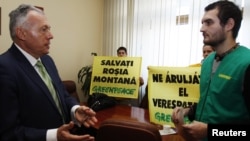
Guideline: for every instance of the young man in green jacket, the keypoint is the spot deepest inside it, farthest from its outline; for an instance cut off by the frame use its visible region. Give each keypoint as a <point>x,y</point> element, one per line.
<point>225,75</point>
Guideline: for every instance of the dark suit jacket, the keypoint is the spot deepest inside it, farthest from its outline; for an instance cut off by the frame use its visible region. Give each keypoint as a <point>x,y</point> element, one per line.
<point>27,109</point>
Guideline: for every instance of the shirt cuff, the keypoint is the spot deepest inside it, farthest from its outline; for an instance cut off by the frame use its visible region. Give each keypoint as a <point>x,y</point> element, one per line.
<point>73,111</point>
<point>51,135</point>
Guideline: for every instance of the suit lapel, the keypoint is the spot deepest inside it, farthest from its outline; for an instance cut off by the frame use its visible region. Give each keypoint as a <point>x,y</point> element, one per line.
<point>30,71</point>
<point>51,69</point>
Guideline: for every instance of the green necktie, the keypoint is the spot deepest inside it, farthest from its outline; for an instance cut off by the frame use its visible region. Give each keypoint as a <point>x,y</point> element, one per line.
<point>47,80</point>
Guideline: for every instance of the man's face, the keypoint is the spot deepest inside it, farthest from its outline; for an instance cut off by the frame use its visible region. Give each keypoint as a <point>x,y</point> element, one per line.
<point>36,35</point>
<point>121,53</point>
<point>213,33</point>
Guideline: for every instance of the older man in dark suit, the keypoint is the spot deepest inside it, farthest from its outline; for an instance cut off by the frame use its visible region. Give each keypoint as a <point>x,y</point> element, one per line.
<point>29,111</point>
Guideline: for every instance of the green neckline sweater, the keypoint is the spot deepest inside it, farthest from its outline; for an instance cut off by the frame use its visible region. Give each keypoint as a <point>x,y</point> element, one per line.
<point>221,99</point>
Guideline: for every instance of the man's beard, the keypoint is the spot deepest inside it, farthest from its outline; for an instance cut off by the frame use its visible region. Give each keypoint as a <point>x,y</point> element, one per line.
<point>215,43</point>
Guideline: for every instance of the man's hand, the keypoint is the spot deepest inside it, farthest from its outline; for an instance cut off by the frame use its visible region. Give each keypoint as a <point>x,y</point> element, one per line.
<point>86,116</point>
<point>178,114</point>
<point>63,134</point>
<point>195,131</point>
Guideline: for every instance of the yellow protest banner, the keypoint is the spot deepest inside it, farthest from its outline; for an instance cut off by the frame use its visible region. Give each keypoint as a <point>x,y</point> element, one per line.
<point>116,76</point>
<point>169,87</point>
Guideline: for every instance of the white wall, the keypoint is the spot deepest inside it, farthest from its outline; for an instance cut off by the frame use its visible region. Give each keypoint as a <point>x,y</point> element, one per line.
<point>77,29</point>
<point>244,30</point>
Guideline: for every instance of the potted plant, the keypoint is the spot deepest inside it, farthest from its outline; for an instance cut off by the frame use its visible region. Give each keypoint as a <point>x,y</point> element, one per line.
<point>84,77</point>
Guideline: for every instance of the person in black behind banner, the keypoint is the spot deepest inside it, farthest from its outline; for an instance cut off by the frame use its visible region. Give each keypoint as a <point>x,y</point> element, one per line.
<point>122,52</point>
<point>28,110</point>
<point>225,75</point>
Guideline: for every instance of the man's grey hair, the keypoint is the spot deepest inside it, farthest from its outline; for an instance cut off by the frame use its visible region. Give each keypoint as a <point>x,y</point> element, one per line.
<point>18,17</point>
